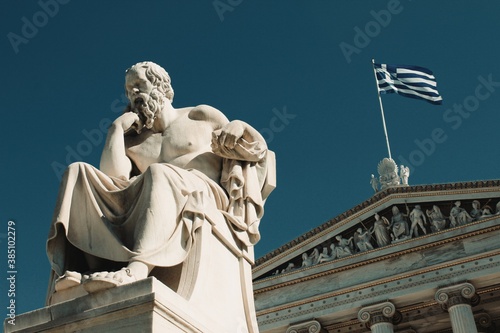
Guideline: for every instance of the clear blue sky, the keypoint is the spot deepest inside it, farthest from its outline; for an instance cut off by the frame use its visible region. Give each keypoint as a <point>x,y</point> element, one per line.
<point>298,71</point>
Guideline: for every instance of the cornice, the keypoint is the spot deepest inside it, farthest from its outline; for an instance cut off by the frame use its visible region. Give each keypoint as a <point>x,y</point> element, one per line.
<point>417,277</point>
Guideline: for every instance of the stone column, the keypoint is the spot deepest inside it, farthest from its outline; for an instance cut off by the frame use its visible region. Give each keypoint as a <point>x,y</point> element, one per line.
<point>311,326</point>
<point>458,301</point>
<point>380,318</point>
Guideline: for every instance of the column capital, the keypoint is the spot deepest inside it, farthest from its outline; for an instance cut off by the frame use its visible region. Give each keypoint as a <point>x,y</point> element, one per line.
<point>463,293</point>
<point>379,313</point>
<point>484,322</point>
<point>312,326</point>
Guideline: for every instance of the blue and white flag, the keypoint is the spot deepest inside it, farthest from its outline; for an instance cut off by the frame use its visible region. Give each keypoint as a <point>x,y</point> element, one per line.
<point>409,81</point>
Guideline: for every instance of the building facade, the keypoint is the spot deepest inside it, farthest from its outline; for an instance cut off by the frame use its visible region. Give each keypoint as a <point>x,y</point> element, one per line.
<point>409,259</point>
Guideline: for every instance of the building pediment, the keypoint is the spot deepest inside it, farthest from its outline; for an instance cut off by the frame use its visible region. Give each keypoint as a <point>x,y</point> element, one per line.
<point>308,278</point>
<point>326,240</point>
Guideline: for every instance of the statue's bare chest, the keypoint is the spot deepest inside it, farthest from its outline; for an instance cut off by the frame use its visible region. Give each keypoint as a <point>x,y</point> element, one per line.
<point>178,144</point>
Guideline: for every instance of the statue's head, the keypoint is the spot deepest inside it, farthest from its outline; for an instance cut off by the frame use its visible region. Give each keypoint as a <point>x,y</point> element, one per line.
<point>395,210</point>
<point>157,75</point>
<point>148,89</point>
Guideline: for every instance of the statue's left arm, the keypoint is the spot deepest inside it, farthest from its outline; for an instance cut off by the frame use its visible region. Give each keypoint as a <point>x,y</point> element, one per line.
<point>240,141</point>
<point>246,174</point>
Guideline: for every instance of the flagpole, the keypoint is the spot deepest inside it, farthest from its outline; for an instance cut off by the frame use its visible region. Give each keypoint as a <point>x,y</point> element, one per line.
<point>382,111</point>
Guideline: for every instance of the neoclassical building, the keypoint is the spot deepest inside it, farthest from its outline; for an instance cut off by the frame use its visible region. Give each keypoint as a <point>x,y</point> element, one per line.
<point>409,259</point>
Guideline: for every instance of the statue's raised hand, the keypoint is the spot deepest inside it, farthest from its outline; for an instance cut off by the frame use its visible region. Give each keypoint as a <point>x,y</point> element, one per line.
<point>129,120</point>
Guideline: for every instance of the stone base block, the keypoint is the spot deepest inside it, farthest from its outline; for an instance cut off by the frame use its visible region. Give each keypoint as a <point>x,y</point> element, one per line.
<point>143,306</point>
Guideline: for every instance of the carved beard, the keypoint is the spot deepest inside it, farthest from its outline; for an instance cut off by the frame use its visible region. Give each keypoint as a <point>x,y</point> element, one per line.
<point>148,111</point>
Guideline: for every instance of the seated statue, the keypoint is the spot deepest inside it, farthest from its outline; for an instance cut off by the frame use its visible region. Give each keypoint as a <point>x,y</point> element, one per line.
<point>324,256</point>
<point>310,260</point>
<point>343,248</point>
<point>459,216</point>
<point>164,173</point>
<point>399,225</point>
<point>476,211</point>
<point>436,219</point>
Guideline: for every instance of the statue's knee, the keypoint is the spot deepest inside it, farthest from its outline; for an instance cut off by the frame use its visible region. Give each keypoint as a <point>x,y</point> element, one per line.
<point>155,170</point>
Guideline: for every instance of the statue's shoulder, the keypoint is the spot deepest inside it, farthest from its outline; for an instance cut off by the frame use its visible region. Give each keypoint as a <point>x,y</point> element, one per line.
<point>208,113</point>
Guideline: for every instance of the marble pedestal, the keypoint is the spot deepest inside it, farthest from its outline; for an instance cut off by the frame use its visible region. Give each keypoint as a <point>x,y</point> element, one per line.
<point>143,306</point>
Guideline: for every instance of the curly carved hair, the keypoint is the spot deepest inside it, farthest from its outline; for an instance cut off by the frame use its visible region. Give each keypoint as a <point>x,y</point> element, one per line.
<point>157,76</point>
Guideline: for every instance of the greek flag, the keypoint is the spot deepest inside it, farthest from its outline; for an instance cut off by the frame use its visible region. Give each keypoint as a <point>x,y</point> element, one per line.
<point>409,81</point>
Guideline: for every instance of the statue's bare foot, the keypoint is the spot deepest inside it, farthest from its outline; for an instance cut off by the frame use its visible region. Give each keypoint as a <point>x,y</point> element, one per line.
<point>105,280</point>
<point>68,280</point>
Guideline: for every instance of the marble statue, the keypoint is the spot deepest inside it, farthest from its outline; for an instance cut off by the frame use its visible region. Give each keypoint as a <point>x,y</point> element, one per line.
<point>476,211</point>
<point>310,260</point>
<point>404,173</point>
<point>380,229</point>
<point>290,267</point>
<point>458,215</point>
<point>362,240</point>
<point>388,171</point>
<point>165,173</point>
<point>417,218</point>
<point>436,218</point>
<point>497,208</point>
<point>343,248</point>
<point>374,183</point>
<point>399,225</point>
<point>486,211</point>
<point>324,256</point>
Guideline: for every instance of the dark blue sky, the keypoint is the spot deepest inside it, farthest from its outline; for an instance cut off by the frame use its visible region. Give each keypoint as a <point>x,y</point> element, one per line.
<point>298,71</point>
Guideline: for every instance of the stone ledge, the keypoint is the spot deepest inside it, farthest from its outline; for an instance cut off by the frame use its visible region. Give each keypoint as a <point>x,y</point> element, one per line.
<point>143,306</point>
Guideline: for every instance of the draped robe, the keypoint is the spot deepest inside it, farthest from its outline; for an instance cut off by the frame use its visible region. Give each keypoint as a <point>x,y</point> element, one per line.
<point>153,217</point>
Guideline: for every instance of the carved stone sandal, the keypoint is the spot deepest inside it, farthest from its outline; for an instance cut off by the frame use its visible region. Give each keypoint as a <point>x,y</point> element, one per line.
<point>106,280</point>
<point>68,280</point>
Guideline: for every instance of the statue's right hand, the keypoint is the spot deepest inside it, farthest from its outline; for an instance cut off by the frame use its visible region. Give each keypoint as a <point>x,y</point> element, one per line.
<point>127,121</point>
